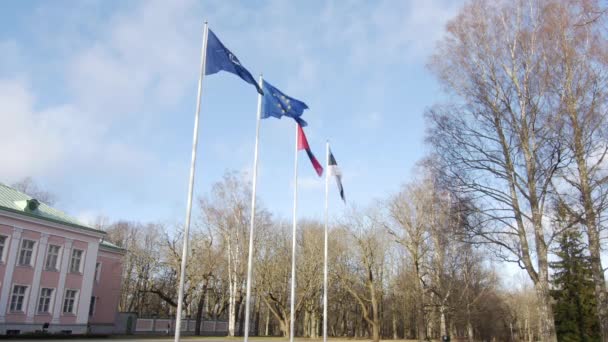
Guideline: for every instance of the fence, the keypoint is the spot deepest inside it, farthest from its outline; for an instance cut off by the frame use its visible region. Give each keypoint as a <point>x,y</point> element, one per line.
<point>167,326</point>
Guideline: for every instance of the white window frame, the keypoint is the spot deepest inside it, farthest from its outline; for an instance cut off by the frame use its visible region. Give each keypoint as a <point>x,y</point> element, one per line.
<point>57,260</point>
<point>4,248</point>
<point>98,271</point>
<point>74,303</point>
<point>32,256</point>
<point>23,303</point>
<point>51,299</point>
<point>80,261</point>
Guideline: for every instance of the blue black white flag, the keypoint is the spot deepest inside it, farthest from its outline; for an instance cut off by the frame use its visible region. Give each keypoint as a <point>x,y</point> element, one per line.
<point>333,170</point>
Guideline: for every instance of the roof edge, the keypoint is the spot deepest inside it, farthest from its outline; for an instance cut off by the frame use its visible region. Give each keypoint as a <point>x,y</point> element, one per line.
<point>42,218</point>
<point>115,249</point>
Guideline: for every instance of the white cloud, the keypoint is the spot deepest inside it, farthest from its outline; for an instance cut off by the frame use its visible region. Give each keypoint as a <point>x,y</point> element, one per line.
<point>30,146</point>
<point>139,58</point>
<point>49,141</point>
<point>390,32</point>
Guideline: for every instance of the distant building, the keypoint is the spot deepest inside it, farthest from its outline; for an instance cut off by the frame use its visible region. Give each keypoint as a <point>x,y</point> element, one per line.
<point>54,270</point>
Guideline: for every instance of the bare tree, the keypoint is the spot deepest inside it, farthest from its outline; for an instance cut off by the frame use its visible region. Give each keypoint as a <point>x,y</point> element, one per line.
<point>407,223</point>
<point>578,49</point>
<point>226,212</point>
<point>361,270</point>
<point>30,188</point>
<point>496,143</point>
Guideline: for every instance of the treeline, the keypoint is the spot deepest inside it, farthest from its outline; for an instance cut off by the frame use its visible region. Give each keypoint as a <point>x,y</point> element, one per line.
<point>399,269</point>
<point>517,173</point>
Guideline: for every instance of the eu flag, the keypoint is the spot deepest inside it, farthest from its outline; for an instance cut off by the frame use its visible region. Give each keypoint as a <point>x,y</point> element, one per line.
<point>276,103</point>
<point>220,58</point>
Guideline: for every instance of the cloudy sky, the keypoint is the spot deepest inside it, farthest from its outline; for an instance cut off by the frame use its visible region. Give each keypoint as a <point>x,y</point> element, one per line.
<point>98,98</point>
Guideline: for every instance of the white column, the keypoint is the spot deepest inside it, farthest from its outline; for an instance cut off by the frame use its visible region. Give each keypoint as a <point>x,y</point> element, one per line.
<point>65,260</point>
<point>86,288</point>
<point>35,289</point>
<point>8,275</point>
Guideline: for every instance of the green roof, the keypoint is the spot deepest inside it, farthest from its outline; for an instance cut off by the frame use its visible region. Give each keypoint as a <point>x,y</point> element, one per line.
<point>14,201</point>
<point>112,246</point>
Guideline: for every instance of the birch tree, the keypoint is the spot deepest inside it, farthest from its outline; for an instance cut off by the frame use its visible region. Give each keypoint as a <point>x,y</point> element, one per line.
<point>227,212</point>
<point>495,140</point>
<point>577,48</point>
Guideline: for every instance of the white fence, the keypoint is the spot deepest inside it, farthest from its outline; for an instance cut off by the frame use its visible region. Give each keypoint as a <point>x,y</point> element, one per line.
<point>167,326</point>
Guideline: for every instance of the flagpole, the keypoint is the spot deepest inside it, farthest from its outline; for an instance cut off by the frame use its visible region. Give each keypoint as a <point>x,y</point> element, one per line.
<point>180,292</point>
<point>293,241</point>
<point>252,218</point>
<point>325,246</point>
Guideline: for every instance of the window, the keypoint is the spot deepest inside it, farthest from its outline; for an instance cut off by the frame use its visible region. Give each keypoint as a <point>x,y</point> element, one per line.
<point>26,252</point>
<point>97,271</point>
<point>18,298</point>
<point>2,247</point>
<point>44,303</point>
<point>52,257</point>
<point>69,301</point>
<point>76,261</point>
<point>92,306</point>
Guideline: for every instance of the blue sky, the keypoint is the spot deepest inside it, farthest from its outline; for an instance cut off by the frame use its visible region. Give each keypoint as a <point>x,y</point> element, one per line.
<point>98,98</point>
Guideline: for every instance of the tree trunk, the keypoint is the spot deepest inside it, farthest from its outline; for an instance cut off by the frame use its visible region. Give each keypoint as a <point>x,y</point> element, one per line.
<point>546,322</point>
<point>241,314</point>
<point>443,327</point>
<point>394,319</point>
<point>590,221</point>
<point>256,317</point>
<point>199,311</point>
<point>314,325</point>
<point>470,337</point>
<point>267,327</point>
<point>306,323</point>
<point>284,326</point>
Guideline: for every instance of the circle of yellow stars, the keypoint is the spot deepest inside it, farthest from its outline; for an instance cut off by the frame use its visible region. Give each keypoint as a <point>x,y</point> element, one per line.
<point>285,100</point>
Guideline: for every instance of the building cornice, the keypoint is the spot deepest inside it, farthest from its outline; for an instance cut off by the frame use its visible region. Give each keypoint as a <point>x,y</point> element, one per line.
<point>49,222</point>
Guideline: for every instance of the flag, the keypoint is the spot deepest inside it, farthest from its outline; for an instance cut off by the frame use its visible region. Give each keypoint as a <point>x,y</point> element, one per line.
<point>277,104</point>
<point>334,170</point>
<point>220,58</point>
<point>303,145</point>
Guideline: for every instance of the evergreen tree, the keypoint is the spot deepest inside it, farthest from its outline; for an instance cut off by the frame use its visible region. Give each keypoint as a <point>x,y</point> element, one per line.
<point>575,305</point>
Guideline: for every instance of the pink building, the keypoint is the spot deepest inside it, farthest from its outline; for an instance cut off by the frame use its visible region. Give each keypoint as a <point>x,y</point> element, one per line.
<point>54,270</point>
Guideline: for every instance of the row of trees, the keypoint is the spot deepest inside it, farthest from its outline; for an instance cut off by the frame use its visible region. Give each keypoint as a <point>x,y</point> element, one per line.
<point>523,136</point>
<point>399,269</point>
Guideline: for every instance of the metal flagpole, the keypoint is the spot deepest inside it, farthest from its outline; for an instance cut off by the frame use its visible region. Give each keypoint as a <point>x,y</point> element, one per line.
<point>180,292</point>
<point>325,246</point>
<point>252,218</point>
<point>293,241</point>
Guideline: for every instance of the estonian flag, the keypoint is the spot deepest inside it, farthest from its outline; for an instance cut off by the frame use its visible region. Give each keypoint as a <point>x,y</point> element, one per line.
<point>303,145</point>
<point>334,170</point>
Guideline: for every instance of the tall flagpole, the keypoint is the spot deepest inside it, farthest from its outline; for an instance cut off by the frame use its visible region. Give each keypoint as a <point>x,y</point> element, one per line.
<point>325,246</point>
<point>293,241</point>
<point>180,292</point>
<point>252,218</point>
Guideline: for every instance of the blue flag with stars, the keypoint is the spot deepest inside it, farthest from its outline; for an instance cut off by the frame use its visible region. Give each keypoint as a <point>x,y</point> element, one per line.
<point>220,58</point>
<point>275,103</point>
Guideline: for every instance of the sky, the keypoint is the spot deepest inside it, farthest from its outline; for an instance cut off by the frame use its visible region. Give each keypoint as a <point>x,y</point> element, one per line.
<point>98,99</point>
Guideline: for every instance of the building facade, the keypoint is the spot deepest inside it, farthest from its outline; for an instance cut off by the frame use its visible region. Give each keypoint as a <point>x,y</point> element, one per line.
<point>56,274</point>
